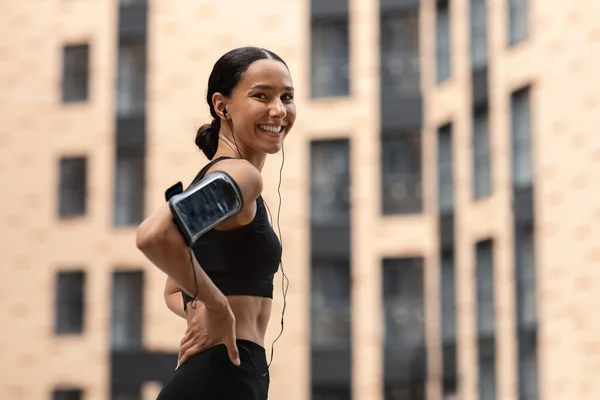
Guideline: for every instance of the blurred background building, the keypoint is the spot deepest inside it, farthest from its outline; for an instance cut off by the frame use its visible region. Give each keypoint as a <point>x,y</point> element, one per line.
<point>440,218</point>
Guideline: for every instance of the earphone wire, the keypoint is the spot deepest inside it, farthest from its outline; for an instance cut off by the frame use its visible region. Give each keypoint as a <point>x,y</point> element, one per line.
<point>285,282</point>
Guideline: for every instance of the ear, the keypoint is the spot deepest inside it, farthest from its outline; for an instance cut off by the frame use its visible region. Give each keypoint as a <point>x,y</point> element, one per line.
<point>219,103</point>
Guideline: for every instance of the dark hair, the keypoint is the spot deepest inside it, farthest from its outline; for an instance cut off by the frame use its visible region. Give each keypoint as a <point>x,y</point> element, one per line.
<point>226,74</point>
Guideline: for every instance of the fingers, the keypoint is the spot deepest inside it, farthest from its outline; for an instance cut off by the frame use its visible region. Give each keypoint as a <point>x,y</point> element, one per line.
<point>190,346</point>
<point>190,332</point>
<point>179,356</point>
<point>202,334</point>
<point>186,342</point>
<point>186,345</point>
<point>232,350</point>
<point>230,342</point>
<point>190,352</point>
<point>234,354</point>
<point>185,337</point>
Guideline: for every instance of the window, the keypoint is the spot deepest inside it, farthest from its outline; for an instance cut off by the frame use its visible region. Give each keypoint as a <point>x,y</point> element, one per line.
<point>448,315</point>
<point>330,55</point>
<point>330,304</point>
<point>72,187</point>
<point>404,302</point>
<point>414,391</point>
<point>322,392</point>
<point>127,305</point>
<point>522,160</point>
<point>526,311</point>
<point>526,279</point>
<point>400,56</point>
<point>404,318</point>
<point>484,252</point>
<point>330,301</point>
<point>131,82</point>
<point>131,2</point>
<point>330,180</point>
<point>75,78</point>
<point>401,173</point>
<point>70,288</point>
<point>487,377</point>
<point>443,41</point>
<point>126,392</point>
<point>485,288</point>
<point>445,169</point>
<point>448,285</point>
<point>482,174</point>
<point>129,189</point>
<point>518,20</point>
<point>478,34</point>
<point>528,367</point>
<point>67,394</point>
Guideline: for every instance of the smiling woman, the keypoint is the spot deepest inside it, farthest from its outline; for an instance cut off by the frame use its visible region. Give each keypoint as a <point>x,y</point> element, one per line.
<point>229,269</point>
<point>260,99</point>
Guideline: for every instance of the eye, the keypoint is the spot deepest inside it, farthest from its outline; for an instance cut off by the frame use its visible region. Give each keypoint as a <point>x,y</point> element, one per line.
<point>260,96</point>
<point>287,97</point>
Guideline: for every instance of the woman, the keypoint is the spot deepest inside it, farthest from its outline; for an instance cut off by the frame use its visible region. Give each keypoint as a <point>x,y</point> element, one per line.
<point>251,100</point>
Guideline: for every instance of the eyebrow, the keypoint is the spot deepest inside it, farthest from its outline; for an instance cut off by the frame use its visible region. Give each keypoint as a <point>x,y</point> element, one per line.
<point>269,87</point>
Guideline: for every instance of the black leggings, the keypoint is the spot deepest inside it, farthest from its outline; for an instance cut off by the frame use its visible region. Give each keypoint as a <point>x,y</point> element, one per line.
<point>211,375</point>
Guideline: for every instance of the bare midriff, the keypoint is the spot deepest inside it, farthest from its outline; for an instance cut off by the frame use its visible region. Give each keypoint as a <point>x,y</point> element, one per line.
<point>252,316</point>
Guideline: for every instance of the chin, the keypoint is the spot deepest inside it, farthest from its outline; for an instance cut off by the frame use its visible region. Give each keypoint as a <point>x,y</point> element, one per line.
<point>270,147</point>
<point>273,149</point>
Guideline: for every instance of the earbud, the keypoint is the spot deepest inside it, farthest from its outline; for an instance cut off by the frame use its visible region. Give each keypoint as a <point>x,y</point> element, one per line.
<point>224,111</point>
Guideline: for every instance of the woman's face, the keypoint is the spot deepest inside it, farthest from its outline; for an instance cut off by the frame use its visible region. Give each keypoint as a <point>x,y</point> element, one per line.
<point>261,108</point>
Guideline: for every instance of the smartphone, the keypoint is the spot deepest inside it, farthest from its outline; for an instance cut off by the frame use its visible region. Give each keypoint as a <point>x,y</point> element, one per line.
<point>206,204</point>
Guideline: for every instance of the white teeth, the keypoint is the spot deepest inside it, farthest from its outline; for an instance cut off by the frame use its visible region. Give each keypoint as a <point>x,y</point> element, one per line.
<point>268,128</point>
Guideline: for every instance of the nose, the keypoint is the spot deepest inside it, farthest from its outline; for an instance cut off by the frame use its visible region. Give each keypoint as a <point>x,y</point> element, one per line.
<point>277,109</point>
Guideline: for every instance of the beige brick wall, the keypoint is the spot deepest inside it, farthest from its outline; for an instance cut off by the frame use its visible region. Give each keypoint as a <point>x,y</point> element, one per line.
<point>186,37</point>
<point>34,131</point>
<point>559,60</point>
<point>568,204</point>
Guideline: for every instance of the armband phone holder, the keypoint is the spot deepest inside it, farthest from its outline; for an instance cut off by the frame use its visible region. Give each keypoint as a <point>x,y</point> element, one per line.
<point>204,205</point>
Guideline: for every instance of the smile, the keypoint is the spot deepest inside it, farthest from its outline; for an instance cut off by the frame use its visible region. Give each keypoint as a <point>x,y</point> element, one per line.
<point>273,129</point>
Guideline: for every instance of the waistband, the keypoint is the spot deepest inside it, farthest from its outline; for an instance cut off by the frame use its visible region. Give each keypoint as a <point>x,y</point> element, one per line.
<point>254,354</point>
<point>252,348</point>
<point>215,360</point>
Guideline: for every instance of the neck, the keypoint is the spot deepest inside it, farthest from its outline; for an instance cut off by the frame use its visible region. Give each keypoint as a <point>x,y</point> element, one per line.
<point>234,148</point>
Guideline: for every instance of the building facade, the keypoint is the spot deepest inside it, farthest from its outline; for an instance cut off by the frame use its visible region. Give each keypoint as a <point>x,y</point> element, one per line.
<point>438,213</point>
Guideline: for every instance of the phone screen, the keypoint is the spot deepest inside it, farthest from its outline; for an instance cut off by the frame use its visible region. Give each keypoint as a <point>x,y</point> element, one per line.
<point>200,208</point>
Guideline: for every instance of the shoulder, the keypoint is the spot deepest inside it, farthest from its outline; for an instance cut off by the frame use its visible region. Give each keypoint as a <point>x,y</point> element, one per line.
<point>245,175</point>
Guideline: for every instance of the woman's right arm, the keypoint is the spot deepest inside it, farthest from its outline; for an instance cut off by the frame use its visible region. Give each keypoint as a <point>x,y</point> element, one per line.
<point>162,243</point>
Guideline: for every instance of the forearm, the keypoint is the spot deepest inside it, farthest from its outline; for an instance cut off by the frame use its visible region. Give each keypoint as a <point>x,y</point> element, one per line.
<point>173,298</point>
<point>175,304</point>
<point>176,262</point>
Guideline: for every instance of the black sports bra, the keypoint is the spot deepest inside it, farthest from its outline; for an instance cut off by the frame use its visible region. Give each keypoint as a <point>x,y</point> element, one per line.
<point>241,261</point>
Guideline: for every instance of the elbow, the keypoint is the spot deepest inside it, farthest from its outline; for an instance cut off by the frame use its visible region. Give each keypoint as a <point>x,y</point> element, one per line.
<point>154,232</point>
<point>148,237</point>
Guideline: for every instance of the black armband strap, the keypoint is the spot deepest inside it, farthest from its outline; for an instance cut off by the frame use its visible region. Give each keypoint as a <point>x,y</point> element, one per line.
<point>205,204</point>
<point>173,190</point>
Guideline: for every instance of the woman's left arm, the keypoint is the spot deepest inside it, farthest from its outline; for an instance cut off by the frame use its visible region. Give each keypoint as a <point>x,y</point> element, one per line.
<point>173,298</point>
